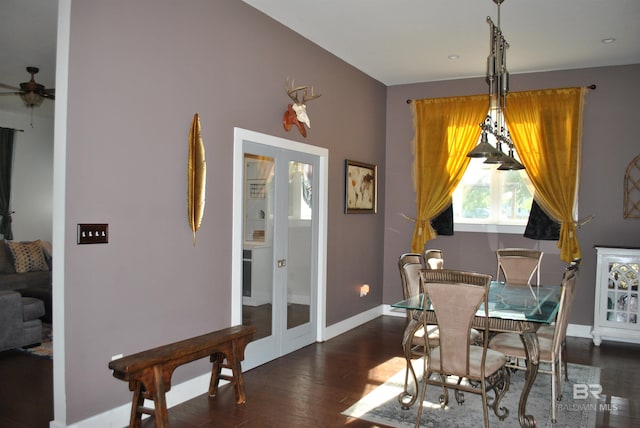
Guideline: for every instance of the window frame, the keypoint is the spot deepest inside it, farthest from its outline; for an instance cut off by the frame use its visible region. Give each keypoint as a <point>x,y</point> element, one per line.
<point>485,225</point>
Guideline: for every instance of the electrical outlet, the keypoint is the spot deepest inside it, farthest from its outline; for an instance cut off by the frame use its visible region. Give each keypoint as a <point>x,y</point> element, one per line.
<point>95,233</point>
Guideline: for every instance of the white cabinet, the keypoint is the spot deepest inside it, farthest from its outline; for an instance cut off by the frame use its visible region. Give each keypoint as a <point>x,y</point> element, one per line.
<point>257,276</point>
<point>616,315</point>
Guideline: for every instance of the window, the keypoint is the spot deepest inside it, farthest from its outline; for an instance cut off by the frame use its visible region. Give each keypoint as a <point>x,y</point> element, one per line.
<point>490,200</point>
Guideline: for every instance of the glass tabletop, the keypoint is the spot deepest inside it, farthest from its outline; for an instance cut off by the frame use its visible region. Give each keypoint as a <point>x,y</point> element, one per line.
<point>514,302</point>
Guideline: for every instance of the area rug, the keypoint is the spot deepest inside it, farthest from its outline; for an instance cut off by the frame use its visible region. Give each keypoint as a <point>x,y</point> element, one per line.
<point>381,405</point>
<point>45,349</point>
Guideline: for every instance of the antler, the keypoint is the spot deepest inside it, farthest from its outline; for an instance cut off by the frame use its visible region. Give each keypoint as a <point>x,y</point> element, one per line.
<point>313,96</point>
<point>292,92</point>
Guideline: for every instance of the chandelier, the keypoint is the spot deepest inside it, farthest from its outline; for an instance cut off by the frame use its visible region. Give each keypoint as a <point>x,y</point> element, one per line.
<point>494,123</point>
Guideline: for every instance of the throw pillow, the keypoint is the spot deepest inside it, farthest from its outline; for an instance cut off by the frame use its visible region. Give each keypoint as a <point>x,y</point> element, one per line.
<point>6,263</point>
<point>28,256</point>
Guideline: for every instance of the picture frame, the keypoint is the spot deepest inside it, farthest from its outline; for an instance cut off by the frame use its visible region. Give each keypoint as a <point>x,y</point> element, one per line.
<point>361,188</point>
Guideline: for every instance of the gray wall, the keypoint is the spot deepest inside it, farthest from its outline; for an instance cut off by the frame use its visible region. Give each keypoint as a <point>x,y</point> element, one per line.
<point>610,142</point>
<point>138,71</point>
<point>32,174</point>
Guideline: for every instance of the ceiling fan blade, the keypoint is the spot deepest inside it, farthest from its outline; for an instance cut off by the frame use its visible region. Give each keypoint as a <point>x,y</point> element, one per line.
<point>13,88</point>
<point>48,95</point>
<point>9,93</point>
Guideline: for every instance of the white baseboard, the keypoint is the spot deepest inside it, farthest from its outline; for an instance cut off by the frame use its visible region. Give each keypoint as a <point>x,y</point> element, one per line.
<point>119,416</point>
<point>351,323</point>
<point>579,330</point>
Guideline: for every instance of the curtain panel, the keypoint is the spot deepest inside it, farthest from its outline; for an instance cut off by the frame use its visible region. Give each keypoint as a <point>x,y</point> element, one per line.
<point>546,128</point>
<point>6,160</point>
<point>446,129</point>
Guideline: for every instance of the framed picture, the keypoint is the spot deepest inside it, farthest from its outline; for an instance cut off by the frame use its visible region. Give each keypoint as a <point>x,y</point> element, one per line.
<point>361,188</point>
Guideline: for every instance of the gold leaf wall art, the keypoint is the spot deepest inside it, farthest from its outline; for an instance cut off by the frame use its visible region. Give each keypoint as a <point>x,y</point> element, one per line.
<point>197,177</point>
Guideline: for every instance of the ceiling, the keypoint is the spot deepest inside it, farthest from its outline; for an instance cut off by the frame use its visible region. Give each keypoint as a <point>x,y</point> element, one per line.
<point>393,41</point>
<point>409,41</point>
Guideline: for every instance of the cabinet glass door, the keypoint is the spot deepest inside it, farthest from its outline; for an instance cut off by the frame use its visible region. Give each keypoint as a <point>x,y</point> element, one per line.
<point>622,293</point>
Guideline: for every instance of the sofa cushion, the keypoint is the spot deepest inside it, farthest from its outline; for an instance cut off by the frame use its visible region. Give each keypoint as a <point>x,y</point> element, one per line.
<point>28,256</point>
<point>6,260</point>
<point>43,294</point>
<point>32,308</point>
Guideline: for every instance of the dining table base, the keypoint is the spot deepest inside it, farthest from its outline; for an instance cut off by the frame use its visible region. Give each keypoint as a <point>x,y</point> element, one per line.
<point>532,349</point>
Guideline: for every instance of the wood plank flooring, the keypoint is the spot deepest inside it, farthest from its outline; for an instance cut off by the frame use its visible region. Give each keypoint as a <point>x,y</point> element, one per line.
<point>26,390</point>
<point>310,387</point>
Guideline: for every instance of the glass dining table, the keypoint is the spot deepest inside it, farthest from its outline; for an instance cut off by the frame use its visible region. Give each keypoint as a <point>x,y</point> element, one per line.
<point>512,308</point>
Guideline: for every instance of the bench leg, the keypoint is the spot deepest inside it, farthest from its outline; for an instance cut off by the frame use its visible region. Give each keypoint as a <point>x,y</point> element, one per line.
<point>217,359</point>
<point>159,400</point>
<point>236,368</point>
<point>138,401</point>
<point>150,387</point>
<point>233,363</point>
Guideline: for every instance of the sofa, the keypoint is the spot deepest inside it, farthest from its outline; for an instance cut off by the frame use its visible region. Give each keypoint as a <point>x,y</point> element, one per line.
<point>25,267</point>
<point>20,324</point>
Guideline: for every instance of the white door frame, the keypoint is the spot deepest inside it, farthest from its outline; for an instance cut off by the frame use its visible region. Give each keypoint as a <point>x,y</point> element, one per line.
<point>240,136</point>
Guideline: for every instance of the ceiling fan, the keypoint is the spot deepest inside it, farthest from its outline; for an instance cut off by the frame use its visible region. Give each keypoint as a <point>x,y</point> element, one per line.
<point>31,92</point>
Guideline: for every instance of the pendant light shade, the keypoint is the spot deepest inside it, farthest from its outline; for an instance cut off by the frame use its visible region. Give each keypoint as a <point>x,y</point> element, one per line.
<point>484,149</point>
<point>494,123</point>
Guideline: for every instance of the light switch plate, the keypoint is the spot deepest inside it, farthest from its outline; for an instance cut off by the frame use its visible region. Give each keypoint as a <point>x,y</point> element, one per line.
<point>93,233</point>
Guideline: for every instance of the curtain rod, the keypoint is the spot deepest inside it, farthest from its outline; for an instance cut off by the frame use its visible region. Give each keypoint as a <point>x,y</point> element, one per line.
<point>17,130</point>
<point>592,87</point>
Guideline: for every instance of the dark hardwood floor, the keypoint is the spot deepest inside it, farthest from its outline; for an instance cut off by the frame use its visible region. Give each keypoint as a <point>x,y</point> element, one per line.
<point>310,387</point>
<point>26,390</point>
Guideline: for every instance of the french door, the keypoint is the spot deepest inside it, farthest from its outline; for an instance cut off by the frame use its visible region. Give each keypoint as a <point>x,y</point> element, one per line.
<point>280,249</point>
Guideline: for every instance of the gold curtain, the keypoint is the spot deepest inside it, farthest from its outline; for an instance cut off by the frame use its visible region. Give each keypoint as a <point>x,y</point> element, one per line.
<point>546,128</point>
<point>446,129</point>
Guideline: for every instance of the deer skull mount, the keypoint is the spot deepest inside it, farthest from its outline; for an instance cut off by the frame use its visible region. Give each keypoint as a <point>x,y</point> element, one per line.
<point>296,113</point>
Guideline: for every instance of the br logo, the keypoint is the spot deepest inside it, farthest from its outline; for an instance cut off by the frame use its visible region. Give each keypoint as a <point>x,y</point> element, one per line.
<point>581,391</point>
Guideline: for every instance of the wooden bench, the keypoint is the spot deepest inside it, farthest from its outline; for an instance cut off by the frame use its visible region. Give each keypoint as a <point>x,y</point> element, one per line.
<point>149,372</point>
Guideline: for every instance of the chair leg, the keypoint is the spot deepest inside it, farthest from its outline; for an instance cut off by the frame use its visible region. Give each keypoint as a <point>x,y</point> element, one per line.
<point>565,356</point>
<point>423,391</point>
<point>554,385</point>
<point>405,398</point>
<point>485,407</point>
<point>562,362</point>
<point>559,382</point>
<point>500,387</point>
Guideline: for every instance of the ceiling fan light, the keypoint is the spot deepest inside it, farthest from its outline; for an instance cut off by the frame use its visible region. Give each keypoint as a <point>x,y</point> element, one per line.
<point>31,99</point>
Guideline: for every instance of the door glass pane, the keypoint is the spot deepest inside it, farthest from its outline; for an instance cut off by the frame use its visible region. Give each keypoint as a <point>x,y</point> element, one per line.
<point>299,247</point>
<point>257,261</point>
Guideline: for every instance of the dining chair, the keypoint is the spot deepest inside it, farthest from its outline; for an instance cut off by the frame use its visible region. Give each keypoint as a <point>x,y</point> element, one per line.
<point>456,297</point>
<point>550,348</point>
<point>518,265</point>
<point>413,340</point>
<point>433,259</point>
<point>548,330</point>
